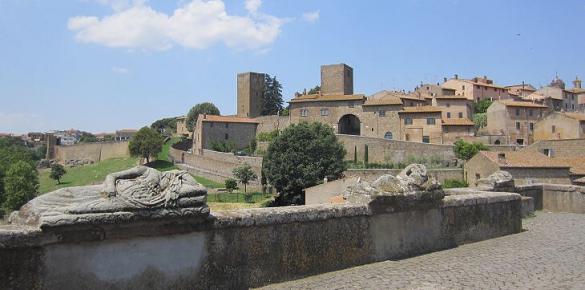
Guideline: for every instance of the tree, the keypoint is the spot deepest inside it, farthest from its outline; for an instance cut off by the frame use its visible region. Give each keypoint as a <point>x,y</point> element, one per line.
<point>480,120</point>
<point>272,96</point>
<point>13,150</point>
<point>314,90</point>
<point>202,108</point>
<point>481,106</point>
<point>57,171</point>
<point>465,150</point>
<point>231,185</point>
<point>245,174</point>
<point>301,156</point>
<point>146,143</point>
<point>21,184</point>
<point>87,138</point>
<point>165,126</point>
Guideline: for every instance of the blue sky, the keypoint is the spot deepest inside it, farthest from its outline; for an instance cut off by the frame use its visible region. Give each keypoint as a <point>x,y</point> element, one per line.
<point>101,65</point>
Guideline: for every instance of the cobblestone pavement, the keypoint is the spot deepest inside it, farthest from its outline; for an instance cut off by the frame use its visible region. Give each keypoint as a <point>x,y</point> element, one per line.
<point>549,255</point>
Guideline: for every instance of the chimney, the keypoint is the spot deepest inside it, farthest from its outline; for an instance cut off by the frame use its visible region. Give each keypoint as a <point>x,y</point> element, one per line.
<point>204,116</point>
<point>502,157</point>
<point>456,76</point>
<point>444,80</point>
<point>485,77</point>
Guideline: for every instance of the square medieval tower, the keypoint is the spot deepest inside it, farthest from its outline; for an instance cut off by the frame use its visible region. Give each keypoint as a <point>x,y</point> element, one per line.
<point>250,90</point>
<point>336,79</point>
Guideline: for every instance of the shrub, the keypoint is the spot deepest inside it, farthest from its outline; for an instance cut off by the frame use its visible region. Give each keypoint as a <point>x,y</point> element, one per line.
<point>455,183</point>
<point>482,106</point>
<point>231,184</point>
<point>223,146</point>
<point>21,184</point>
<point>464,150</point>
<point>249,197</point>
<point>267,136</point>
<point>57,171</point>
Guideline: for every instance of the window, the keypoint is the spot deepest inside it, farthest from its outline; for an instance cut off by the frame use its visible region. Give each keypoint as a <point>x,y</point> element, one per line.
<point>517,112</point>
<point>226,136</point>
<point>517,125</point>
<point>227,125</point>
<point>426,139</point>
<point>382,113</point>
<point>408,121</point>
<point>573,107</point>
<point>304,112</point>
<point>460,115</point>
<point>430,121</point>
<point>324,112</point>
<point>211,125</point>
<point>445,129</point>
<point>520,141</point>
<point>531,127</point>
<point>463,87</point>
<point>448,115</point>
<point>553,128</point>
<point>548,152</point>
<point>388,135</point>
<point>530,112</point>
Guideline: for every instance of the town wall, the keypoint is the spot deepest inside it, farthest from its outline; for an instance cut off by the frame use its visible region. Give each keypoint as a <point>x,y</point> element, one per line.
<point>247,248</point>
<point>555,197</point>
<point>92,151</point>
<point>392,151</point>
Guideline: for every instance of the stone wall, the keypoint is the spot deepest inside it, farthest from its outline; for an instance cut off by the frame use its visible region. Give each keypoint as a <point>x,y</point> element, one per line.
<point>370,175</point>
<point>555,197</point>
<point>214,165</point>
<point>560,148</point>
<point>92,151</point>
<point>247,248</point>
<point>393,151</point>
<point>271,123</point>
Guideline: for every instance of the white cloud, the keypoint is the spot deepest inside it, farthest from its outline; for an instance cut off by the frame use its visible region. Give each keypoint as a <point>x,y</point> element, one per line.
<point>253,5</point>
<point>197,24</point>
<point>120,70</point>
<point>311,16</point>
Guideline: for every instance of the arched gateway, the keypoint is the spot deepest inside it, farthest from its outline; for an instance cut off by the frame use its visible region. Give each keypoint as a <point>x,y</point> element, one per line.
<point>349,124</point>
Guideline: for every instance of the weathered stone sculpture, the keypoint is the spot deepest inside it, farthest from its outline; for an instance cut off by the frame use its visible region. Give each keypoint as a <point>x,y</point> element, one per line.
<point>410,186</point>
<point>497,181</point>
<point>130,195</point>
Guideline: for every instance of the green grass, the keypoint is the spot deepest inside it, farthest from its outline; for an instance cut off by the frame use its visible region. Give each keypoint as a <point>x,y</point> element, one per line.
<point>85,175</point>
<point>164,154</point>
<point>208,182</point>
<point>236,197</point>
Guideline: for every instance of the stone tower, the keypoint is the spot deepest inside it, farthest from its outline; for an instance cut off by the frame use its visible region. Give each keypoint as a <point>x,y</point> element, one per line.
<point>577,83</point>
<point>250,89</point>
<point>336,79</point>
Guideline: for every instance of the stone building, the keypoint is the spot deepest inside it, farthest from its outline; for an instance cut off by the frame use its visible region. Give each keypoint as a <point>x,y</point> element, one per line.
<point>421,124</point>
<point>520,90</point>
<point>563,148</point>
<point>560,126</point>
<point>514,121</point>
<point>556,97</point>
<point>182,127</point>
<point>432,90</point>
<point>250,90</point>
<point>125,134</point>
<point>223,129</point>
<point>579,93</point>
<point>525,167</point>
<point>476,89</point>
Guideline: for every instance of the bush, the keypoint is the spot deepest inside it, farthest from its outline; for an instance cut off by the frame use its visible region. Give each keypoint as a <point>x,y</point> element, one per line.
<point>481,106</point>
<point>249,197</point>
<point>302,156</point>
<point>21,184</point>
<point>267,136</point>
<point>480,120</point>
<point>465,150</point>
<point>455,183</point>
<point>231,184</point>
<point>223,146</point>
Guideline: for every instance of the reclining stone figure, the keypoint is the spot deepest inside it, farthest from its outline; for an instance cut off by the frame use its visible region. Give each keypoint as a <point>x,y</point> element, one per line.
<point>129,195</point>
<point>410,186</point>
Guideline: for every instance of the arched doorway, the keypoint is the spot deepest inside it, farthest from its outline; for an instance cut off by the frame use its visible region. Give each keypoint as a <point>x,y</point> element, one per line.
<point>349,124</point>
<point>388,135</point>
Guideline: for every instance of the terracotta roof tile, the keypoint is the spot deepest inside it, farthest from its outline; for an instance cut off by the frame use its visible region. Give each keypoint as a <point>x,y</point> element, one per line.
<point>510,103</point>
<point>577,164</point>
<point>421,109</point>
<point>383,98</point>
<point>327,98</point>
<point>458,122</point>
<point>523,159</point>
<point>227,119</point>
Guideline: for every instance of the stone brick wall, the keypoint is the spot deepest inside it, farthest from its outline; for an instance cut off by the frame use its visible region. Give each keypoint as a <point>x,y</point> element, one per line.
<point>247,248</point>
<point>372,174</point>
<point>92,151</point>
<point>271,123</point>
<point>393,151</point>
